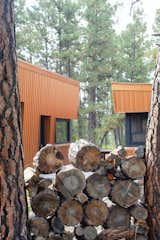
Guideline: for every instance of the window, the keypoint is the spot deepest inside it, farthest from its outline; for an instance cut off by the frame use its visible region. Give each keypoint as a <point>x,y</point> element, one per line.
<point>44,130</point>
<point>63,130</point>
<point>136,128</point>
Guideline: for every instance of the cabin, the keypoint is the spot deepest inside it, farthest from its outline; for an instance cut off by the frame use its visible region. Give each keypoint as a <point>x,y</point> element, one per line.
<point>133,100</point>
<point>49,102</point>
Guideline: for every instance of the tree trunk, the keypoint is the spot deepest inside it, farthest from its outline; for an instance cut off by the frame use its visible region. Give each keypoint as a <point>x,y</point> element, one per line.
<point>92,116</point>
<point>152,181</point>
<point>13,199</point>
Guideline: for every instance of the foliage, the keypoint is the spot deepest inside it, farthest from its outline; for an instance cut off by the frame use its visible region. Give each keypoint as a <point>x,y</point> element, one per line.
<point>78,39</point>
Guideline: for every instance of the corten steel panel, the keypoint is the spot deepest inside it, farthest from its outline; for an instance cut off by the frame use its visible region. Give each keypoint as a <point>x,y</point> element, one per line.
<point>44,93</point>
<point>131,97</point>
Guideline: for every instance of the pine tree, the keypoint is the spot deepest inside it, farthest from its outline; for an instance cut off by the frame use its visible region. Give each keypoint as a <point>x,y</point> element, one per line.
<point>134,44</point>
<point>97,70</point>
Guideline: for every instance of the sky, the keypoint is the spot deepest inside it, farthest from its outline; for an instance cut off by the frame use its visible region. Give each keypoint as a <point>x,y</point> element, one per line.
<point>123,14</point>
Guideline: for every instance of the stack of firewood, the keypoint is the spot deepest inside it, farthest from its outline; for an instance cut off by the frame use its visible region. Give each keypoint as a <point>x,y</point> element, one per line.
<point>92,198</point>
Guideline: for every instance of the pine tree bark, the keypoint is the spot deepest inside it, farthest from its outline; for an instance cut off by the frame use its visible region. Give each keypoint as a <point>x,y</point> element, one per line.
<point>152,182</point>
<point>13,200</point>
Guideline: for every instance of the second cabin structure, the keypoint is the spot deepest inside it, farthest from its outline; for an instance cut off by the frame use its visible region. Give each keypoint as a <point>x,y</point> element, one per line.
<point>48,101</point>
<point>133,99</point>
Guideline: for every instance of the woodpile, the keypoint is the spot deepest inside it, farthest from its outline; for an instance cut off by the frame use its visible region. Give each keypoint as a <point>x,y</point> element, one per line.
<point>93,199</point>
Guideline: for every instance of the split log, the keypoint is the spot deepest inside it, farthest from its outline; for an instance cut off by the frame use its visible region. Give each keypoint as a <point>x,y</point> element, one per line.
<point>70,181</point>
<point>118,233</point>
<point>68,236</point>
<point>97,186</point>
<point>78,231</point>
<point>53,236</point>
<point>45,203</point>
<point>141,227</point>
<point>118,216</point>
<point>48,159</point>
<point>82,197</point>
<point>39,238</point>
<point>139,212</point>
<point>57,225</point>
<point>119,152</point>
<point>140,237</point>
<point>96,212</point>
<point>125,193</point>
<point>44,184</point>
<point>85,156</point>
<point>31,180</point>
<point>70,212</point>
<point>39,226</point>
<point>86,233</point>
<point>90,233</point>
<point>134,168</point>
<point>139,152</point>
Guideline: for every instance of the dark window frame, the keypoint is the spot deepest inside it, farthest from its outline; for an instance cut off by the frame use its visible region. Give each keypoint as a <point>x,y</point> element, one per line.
<point>128,128</point>
<point>69,128</point>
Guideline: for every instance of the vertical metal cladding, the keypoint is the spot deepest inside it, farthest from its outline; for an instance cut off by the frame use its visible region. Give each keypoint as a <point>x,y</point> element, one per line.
<point>44,93</point>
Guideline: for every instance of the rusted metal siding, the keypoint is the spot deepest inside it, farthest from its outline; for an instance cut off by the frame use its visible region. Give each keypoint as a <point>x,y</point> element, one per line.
<point>131,97</point>
<point>44,93</point>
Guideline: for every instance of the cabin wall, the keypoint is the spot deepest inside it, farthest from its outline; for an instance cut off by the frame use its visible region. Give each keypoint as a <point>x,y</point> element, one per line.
<point>43,93</point>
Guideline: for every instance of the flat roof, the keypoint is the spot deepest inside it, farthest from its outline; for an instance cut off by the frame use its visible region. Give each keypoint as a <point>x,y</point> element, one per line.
<point>131,97</point>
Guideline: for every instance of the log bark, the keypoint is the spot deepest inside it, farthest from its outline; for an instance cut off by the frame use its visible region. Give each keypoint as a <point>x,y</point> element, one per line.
<point>140,152</point>
<point>70,212</point>
<point>48,159</point>
<point>85,156</point>
<point>39,226</point>
<point>118,233</point>
<point>90,233</point>
<point>82,197</point>
<point>97,186</point>
<point>125,193</point>
<point>118,216</point>
<point>119,152</point>
<point>45,203</point>
<point>139,212</point>
<point>70,181</point>
<point>13,199</point>
<point>134,168</point>
<point>31,181</point>
<point>152,180</point>
<point>96,212</point>
<point>57,225</point>
<point>44,184</point>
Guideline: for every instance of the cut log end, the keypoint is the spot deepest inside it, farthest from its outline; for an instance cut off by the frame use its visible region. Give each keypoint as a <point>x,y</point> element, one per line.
<point>98,186</point>
<point>45,203</point>
<point>139,212</point>
<point>118,217</point>
<point>48,159</point>
<point>96,212</point>
<point>134,168</point>
<point>85,156</point>
<point>70,181</point>
<point>70,213</point>
<point>125,193</point>
<point>39,226</point>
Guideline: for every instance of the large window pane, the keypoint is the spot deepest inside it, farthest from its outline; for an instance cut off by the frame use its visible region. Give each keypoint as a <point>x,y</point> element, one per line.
<point>62,130</point>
